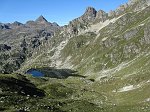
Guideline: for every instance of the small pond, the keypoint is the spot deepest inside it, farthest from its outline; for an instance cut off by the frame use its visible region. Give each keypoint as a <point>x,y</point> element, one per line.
<point>35,73</point>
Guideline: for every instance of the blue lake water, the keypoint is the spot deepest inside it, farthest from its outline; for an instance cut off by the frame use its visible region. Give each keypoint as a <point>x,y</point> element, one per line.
<point>35,73</point>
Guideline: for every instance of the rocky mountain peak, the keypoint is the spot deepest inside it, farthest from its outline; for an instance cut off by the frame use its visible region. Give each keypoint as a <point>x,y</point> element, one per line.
<point>101,15</point>
<point>41,19</point>
<point>90,11</point>
<point>89,14</point>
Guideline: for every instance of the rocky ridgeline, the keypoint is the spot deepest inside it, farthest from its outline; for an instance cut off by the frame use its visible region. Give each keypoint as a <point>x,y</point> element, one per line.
<point>82,23</point>
<point>18,41</point>
<point>91,16</point>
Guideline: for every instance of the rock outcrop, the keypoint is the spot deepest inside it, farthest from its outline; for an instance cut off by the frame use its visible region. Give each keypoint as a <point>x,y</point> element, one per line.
<point>89,14</point>
<point>101,16</point>
<point>137,5</point>
<point>4,47</point>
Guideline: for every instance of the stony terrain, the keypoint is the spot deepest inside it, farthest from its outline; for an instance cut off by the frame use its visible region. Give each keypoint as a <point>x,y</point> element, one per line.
<point>99,62</point>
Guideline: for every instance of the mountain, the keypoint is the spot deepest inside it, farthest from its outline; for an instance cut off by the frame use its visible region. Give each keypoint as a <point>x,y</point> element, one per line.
<point>33,33</point>
<point>98,62</point>
<point>41,19</point>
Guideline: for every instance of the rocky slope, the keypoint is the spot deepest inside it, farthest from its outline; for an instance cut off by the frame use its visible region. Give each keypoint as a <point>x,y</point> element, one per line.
<point>23,39</point>
<point>101,60</point>
<point>101,45</point>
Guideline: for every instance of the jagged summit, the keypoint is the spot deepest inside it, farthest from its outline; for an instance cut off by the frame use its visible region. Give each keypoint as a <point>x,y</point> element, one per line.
<point>41,19</point>
<point>90,11</point>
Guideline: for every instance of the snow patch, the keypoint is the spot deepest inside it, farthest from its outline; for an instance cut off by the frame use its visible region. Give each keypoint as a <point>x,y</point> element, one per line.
<point>105,38</point>
<point>131,87</point>
<point>148,81</point>
<point>147,100</point>
<point>141,25</point>
<point>127,88</point>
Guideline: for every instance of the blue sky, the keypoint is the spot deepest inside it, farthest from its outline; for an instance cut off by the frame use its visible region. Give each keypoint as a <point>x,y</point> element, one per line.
<point>60,11</point>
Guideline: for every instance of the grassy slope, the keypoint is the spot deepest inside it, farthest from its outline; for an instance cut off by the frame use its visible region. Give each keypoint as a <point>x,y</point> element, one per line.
<point>91,56</point>
<point>82,95</point>
<point>95,54</point>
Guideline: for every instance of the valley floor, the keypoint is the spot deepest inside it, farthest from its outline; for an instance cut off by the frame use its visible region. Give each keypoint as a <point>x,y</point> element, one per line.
<point>24,93</point>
